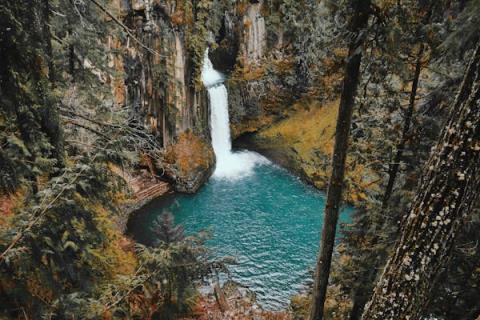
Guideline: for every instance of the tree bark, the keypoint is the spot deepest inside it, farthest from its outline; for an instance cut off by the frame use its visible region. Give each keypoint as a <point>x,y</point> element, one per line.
<point>335,187</point>
<point>395,164</point>
<point>359,301</point>
<point>361,295</point>
<point>48,41</point>
<point>446,194</point>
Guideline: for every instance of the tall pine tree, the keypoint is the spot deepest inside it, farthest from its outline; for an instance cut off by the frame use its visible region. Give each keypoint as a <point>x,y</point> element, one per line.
<point>358,25</point>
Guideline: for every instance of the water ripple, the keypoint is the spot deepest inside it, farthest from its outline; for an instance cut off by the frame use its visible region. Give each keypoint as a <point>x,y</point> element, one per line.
<point>269,220</point>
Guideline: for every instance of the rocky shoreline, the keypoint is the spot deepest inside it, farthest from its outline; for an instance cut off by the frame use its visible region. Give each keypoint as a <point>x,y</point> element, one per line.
<point>233,301</point>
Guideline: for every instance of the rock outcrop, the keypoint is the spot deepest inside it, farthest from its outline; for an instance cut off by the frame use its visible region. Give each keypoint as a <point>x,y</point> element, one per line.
<point>251,48</point>
<point>303,143</point>
<point>189,162</point>
<point>255,34</point>
<point>159,84</point>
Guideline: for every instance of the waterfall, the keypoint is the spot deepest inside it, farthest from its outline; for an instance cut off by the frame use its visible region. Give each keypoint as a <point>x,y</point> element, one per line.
<point>230,165</point>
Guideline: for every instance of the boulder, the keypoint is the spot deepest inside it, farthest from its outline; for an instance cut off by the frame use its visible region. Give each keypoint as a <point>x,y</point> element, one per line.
<point>189,162</point>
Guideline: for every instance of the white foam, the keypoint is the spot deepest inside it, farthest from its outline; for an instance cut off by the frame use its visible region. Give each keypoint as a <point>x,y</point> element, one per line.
<point>230,165</point>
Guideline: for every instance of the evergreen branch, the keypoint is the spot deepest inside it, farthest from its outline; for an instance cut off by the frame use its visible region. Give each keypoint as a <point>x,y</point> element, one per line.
<point>133,288</point>
<point>19,236</point>
<point>86,144</point>
<point>100,123</point>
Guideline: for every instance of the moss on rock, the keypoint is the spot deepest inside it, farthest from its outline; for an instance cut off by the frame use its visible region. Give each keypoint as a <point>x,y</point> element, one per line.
<point>303,142</point>
<point>189,162</point>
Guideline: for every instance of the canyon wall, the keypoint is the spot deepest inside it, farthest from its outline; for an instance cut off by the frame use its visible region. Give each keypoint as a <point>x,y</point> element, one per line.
<point>255,48</point>
<point>161,66</point>
<point>160,89</point>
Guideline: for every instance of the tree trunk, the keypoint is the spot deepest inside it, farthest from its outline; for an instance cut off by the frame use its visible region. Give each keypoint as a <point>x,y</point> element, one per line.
<point>395,164</point>
<point>445,195</point>
<point>48,41</point>
<point>359,301</point>
<point>362,294</point>
<point>71,61</point>
<point>335,188</point>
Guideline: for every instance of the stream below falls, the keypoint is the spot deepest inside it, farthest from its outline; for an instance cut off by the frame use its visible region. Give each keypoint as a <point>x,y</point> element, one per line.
<point>269,220</point>
<point>259,213</point>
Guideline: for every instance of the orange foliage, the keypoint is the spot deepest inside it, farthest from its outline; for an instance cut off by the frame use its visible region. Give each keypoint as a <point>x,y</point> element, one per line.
<point>206,308</point>
<point>251,125</point>
<point>249,72</point>
<point>284,66</point>
<point>242,8</point>
<point>116,255</point>
<point>178,17</point>
<point>8,204</point>
<point>37,289</point>
<point>189,153</point>
<point>307,137</point>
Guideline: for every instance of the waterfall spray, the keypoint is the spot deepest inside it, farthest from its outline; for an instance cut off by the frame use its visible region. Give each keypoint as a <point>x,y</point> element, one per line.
<point>230,165</point>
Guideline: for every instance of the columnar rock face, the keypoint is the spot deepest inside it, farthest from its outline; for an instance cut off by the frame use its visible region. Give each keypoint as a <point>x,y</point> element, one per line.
<point>256,52</point>
<point>242,47</point>
<point>159,85</point>
<point>255,34</point>
<point>242,38</point>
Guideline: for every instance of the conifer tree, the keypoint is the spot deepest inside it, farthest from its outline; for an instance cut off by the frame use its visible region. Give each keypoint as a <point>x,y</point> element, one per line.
<point>404,53</point>
<point>61,254</point>
<point>166,231</point>
<point>358,25</point>
<point>29,124</point>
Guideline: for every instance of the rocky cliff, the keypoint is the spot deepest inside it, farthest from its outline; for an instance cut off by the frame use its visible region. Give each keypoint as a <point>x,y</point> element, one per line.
<point>258,47</point>
<point>161,62</point>
<point>160,86</point>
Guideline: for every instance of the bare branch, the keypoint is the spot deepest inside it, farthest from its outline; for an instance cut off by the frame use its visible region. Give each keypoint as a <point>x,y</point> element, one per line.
<point>124,27</point>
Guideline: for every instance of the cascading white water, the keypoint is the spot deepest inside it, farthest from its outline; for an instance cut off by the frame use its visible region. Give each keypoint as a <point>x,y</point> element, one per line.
<point>230,165</point>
